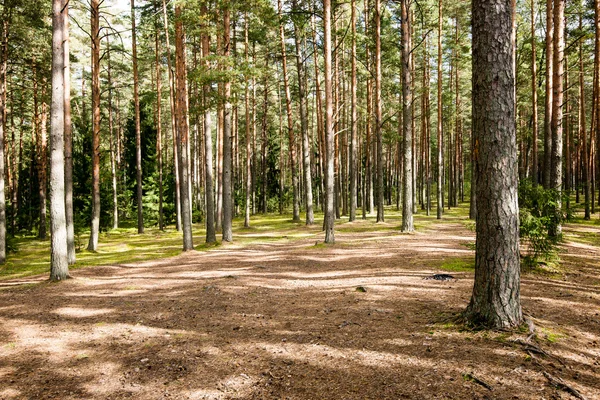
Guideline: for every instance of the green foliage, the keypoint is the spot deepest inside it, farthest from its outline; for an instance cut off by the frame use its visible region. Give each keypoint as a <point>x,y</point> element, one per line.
<point>538,215</point>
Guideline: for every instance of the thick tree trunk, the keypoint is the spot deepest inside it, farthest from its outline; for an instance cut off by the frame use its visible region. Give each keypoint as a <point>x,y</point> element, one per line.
<point>328,223</point>
<point>95,32</point>
<point>557,113</point>
<point>183,131</point>
<point>138,135</point>
<point>59,261</point>
<point>407,134</point>
<point>496,300</point>
<point>227,137</point>
<point>68,137</point>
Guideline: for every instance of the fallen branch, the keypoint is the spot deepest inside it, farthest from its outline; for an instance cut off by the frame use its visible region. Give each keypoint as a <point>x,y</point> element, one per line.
<point>471,377</point>
<point>560,384</point>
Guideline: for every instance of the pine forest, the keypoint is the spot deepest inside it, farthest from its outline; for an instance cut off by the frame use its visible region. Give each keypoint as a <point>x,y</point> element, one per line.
<point>299,199</point>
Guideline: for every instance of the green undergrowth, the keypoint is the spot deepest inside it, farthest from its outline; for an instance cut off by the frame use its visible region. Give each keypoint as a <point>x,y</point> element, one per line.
<point>458,265</point>
<point>31,256</point>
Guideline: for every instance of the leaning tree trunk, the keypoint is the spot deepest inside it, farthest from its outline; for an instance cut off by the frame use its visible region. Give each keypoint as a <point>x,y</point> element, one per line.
<point>59,262</point>
<point>407,134</point>
<point>138,135</point>
<point>328,223</point>
<point>68,137</point>
<point>95,31</point>
<point>183,134</point>
<point>496,301</point>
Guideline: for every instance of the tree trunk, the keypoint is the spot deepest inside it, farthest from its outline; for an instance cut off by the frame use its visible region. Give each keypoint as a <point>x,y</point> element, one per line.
<point>440,147</point>
<point>95,32</point>
<point>308,193</point>
<point>3,68</point>
<point>68,138</point>
<point>173,104</point>
<point>353,119</point>
<point>42,155</point>
<point>113,167</point>
<point>227,145</point>
<point>183,131</point>
<point>407,134</point>
<point>249,154</point>
<point>288,103</point>
<point>557,113</point>
<point>549,93</point>
<point>496,300</point>
<point>328,223</point>
<point>59,261</point>
<point>534,101</point>
<point>138,135</point>
<point>161,224</point>
<point>582,130</point>
<point>208,148</point>
<point>378,120</point>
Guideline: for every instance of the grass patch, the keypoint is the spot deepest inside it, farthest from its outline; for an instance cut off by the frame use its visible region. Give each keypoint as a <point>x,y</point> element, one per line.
<point>552,336</point>
<point>458,265</point>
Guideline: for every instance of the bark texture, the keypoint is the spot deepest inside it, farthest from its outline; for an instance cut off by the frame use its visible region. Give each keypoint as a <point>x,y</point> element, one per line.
<point>496,299</point>
<point>95,32</point>
<point>407,134</point>
<point>329,148</point>
<point>68,137</point>
<point>59,262</point>
<point>183,131</point>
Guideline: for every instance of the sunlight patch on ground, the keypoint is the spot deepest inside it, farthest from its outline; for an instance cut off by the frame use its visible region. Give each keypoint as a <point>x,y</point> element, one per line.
<point>323,356</point>
<point>81,312</point>
<point>9,393</point>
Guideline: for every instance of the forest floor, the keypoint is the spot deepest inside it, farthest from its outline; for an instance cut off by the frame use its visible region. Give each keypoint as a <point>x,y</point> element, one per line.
<point>278,315</point>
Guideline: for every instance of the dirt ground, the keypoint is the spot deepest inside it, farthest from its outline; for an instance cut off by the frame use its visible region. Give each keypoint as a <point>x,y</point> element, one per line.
<point>288,320</point>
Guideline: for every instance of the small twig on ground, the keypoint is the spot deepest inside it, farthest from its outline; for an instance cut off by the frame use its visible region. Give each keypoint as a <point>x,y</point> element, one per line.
<point>560,384</point>
<point>471,377</point>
